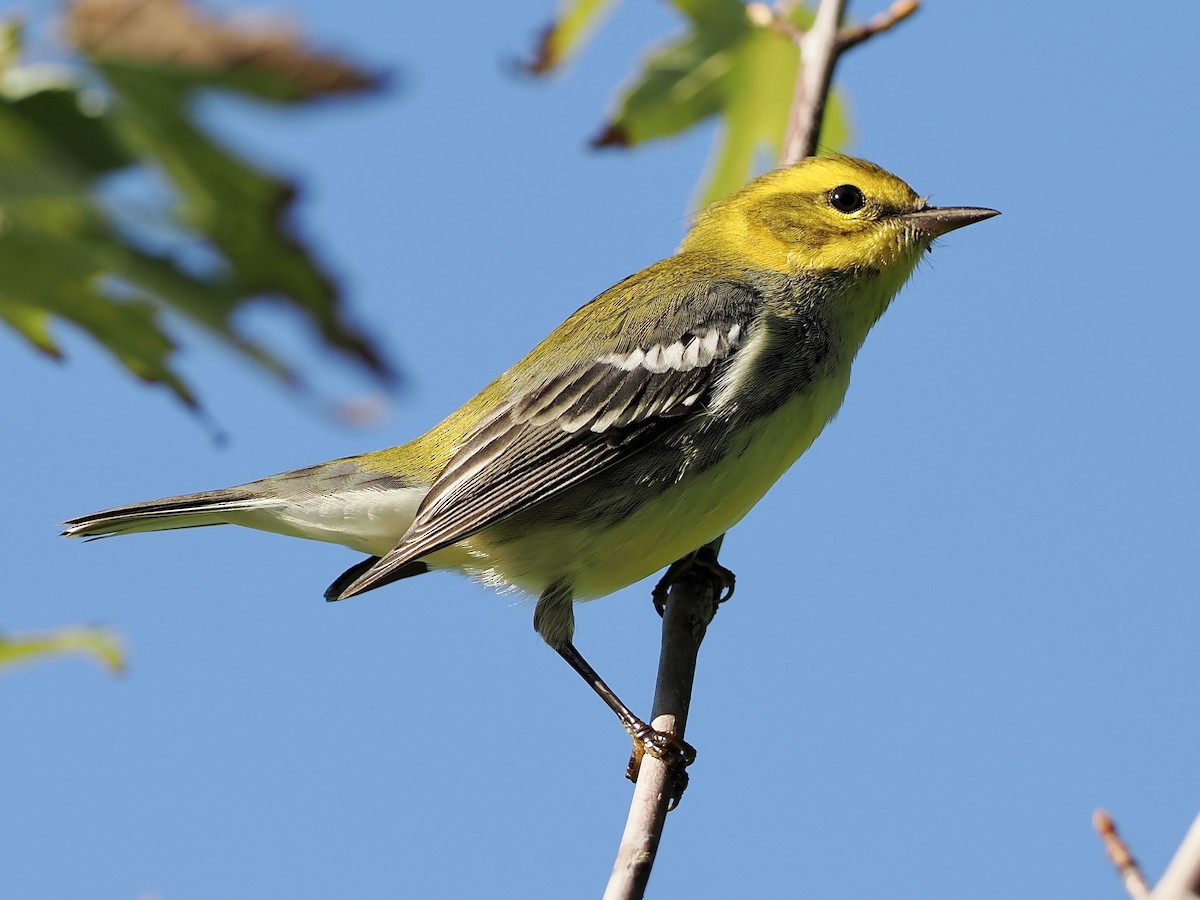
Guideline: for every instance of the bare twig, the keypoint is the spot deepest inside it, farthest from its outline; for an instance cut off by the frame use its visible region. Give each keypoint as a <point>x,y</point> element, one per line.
<point>1118,851</point>
<point>893,15</point>
<point>1182,878</point>
<point>818,56</point>
<point>690,607</point>
<point>820,48</point>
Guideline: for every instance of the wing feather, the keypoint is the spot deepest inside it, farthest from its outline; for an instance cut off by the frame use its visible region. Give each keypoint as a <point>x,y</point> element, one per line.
<point>572,424</point>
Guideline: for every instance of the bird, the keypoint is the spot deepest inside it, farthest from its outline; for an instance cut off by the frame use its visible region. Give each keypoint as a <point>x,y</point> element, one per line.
<point>640,430</point>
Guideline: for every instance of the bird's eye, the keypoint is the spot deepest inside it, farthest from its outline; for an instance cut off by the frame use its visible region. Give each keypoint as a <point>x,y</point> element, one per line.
<point>847,198</point>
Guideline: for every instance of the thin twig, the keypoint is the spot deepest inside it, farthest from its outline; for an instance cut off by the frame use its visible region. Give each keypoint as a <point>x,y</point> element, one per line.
<point>1182,878</point>
<point>1118,852</point>
<point>690,607</point>
<point>856,34</point>
<point>820,48</point>
<point>818,56</point>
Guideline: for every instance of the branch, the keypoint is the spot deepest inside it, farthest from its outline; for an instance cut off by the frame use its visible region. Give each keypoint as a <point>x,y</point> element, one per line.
<point>820,48</point>
<point>1182,878</point>
<point>1119,854</point>
<point>689,608</point>
<point>896,13</point>
<point>1181,881</point>
<point>818,55</point>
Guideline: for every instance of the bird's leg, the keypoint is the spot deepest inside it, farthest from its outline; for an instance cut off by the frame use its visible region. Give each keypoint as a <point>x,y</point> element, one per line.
<point>554,619</point>
<point>701,563</point>
<point>675,752</point>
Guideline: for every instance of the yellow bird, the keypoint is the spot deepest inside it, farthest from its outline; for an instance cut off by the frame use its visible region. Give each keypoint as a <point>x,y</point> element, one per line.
<point>645,426</point>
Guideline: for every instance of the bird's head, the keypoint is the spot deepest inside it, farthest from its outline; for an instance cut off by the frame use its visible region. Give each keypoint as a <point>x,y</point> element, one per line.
<point>827,214</point>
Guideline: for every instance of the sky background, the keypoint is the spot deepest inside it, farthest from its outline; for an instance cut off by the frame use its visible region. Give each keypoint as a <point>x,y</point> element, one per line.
<point>964,620</point>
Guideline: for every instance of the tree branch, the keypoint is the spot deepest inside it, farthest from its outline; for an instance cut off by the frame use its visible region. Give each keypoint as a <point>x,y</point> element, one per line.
<point>818,55</point>
<point>820,48</point>
<point>1118,852</point>
<point>1182,878</point>
<point>1181,881</point>
<point>896,13</point>
<point>693,595</point>
<point>690,607</point>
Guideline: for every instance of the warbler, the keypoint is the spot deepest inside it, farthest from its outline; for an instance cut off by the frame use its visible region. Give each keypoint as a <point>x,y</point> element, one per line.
<point>645,426</point>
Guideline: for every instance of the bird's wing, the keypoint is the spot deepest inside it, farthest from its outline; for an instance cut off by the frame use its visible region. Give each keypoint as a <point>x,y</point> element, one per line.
<point>574,422</point>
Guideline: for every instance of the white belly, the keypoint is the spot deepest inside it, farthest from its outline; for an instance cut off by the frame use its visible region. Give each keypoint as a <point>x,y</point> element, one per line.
<point>370,521</point>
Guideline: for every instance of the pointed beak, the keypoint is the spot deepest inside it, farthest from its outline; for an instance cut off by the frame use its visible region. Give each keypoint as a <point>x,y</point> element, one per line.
<point>938,220</point>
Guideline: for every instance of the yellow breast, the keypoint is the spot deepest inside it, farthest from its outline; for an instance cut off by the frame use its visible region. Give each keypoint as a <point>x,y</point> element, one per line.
<point>598,560</point>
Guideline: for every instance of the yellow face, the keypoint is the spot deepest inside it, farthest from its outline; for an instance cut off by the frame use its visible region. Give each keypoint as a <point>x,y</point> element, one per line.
<point>824,214</point>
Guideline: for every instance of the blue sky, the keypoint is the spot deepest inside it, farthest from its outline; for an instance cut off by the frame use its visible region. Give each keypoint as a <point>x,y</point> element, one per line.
<point>965,619</point>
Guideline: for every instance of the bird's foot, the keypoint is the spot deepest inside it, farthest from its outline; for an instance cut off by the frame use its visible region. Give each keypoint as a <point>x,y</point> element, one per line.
<point>674,752</point>
<point>701,564</point>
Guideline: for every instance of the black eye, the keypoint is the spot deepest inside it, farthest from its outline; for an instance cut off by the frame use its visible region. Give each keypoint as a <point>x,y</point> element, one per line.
<point>847,198</point>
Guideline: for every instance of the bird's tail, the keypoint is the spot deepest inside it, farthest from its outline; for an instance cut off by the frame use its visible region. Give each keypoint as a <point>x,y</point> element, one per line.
<point>187,511</point>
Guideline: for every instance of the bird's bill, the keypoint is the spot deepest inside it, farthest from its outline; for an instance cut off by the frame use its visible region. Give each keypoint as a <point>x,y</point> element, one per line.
<point>938,220</point>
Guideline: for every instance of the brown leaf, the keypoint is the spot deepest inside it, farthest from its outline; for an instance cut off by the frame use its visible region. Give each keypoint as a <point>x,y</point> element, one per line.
<point>563,38</point>
<point>174,33</point>
<point>611,135</point>
<point>543,59</point>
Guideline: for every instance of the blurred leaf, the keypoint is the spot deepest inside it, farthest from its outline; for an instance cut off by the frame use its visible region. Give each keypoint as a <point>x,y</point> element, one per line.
<point>166,37</point>
<point>564,37</point>
<point>681,84</point>
<point>724,66</point>
<point>758,91</point>
<point>31,323</point>
<point>66,253</point>
<point>95,644</point>
<point>240,209</point>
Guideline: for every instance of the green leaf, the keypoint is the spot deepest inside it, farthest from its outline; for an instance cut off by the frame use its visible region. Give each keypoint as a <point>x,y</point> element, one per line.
<point>761,84</point>
<point>723,67</point>
<point>82,142</point>
<point>563,38</point>
<point>69,257</point>
<point>241,210</point>
<point>11,34</point>
<point>96,644</point>
<point>714,16</point>
<point>684,82</point>
<point>31,323</point>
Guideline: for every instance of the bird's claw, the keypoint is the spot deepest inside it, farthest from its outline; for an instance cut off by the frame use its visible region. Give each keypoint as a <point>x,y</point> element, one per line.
<point>701,564</point>
<point>674,752</point>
